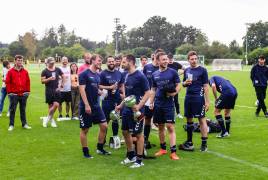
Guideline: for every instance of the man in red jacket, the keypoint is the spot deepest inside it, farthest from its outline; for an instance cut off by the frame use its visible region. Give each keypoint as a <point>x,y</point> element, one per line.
<point>18,88</point>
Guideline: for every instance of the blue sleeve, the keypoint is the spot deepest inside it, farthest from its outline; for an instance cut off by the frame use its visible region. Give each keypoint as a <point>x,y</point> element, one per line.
<point>212,80</point>
<point>153,82</point>
<point>205,77</point>
<point>82,78</point>
<point>176,77</point>
<point>101,78</point>
<point>121,79</point>
<point>144,69</point>
<point>184,75</point>
<point>252,73</point>
<point>144,83</point>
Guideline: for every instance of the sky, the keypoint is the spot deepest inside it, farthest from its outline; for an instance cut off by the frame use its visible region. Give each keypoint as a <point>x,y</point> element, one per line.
<point>222,20</point>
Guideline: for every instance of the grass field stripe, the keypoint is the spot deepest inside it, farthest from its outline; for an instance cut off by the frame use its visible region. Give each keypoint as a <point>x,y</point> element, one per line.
<point>38,97</point>
<point>239,161</point>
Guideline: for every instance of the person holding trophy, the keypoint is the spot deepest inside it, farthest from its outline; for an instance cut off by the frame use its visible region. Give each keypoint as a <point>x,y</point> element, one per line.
<point>137,92</point>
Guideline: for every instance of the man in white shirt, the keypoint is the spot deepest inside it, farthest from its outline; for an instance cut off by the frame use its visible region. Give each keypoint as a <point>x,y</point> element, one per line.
<point>144,61</point>
<point>45,62</point>
<point>66,90</point>
<point>39,62</point>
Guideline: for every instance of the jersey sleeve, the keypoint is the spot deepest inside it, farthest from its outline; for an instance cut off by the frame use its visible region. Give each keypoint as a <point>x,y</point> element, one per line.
<point>184,75</point>
<point>82,79</point>
<point>144,83</point>
<point>205,77</point>
<point>121,79</point>
<point>211,80</point>
<point>101,78</point>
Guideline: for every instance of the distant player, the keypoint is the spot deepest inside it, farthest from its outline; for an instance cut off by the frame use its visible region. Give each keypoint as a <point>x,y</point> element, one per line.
<point>144,61</point>
<point>163,103</point>
<point>226,101</point>
<point>39,62</point>
<point>196,80</point>
<point>113,81</point>
<point>45,62</point>
<point>90,110</point>
<point>259,77</point>
<point>117,65</point>
<point>135,84</point>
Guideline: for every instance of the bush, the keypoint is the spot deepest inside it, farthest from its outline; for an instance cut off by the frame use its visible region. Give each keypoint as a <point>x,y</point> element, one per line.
<point>208,61</point>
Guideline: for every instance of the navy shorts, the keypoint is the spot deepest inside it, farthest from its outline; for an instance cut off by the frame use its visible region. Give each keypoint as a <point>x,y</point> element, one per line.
<point>108,106</point>
<point>96,117</point>
<point>226,101</point>
<point>194,109</point>
<point>148,113</point>
<point>129,124</point>
<point>164,115</point>
<point>66,96</point>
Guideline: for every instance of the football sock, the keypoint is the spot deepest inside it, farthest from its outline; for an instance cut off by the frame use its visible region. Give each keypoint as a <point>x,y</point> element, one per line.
<point>147,129</point>
<point>228,123</point>
<point>221,122</point>
<point>100,146</point>
<point>131,154</point>
<point>49,117</point>
<point>85,151</point>
<point>204,140</point>
<point>163,146</point>
<point>173,149</point>
<point>115,127</point>
<point>190,130</point>
<point>139,159</point>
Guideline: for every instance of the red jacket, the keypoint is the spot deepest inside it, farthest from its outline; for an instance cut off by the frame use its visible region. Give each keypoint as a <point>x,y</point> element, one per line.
<point>17,81</point>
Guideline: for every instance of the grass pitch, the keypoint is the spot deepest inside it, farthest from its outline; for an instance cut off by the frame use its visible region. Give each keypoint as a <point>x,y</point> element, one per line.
<point>55,153</point>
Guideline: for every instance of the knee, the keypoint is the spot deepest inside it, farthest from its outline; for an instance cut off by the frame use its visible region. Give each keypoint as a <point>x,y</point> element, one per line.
<point>217,112</point>
<point>56,105</point>
<point>202,122</point>
<point>84,131</point>
<point>170,129</point>
<point>104,127</point>
<point>161,127</point>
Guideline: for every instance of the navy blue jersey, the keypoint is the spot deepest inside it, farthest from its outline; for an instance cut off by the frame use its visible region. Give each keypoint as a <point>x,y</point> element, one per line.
<point>108,78</point>
<point>159,79</point>
<point>259,75</point>
<point>223,86</point>
<point>148,70</point>
<point>124,74</point>
<point>195,92</point>
<point>91,80</point>
<point>135,84</point>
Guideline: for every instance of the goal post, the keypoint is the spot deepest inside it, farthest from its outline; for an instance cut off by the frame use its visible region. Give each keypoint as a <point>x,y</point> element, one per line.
<point>226,65</point>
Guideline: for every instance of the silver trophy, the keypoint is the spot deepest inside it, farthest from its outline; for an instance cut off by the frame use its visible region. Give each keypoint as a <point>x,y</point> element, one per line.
<point>114,115</point>
<point>130,101</point>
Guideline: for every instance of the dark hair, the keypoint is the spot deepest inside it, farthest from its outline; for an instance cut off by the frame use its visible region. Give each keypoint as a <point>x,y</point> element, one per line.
<point>116,58</point>
<point>18,57</point>
<point>191,53</point>
<point>120,56</point>
<point>144,57</point>
<point>261,57</point>
<point>158,50</point>
<point>152,53</point>
<point>108,57</point>
<point>5,63</point>
<point>131,57</point>
<point>94,57</point>
<point>160,54</point>
<point>71,67</point>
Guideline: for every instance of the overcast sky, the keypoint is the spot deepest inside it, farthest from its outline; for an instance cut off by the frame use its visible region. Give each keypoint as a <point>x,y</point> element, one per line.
<point>221,20</point>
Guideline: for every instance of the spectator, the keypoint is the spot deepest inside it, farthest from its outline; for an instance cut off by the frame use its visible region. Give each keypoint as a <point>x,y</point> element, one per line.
<point>87,57</point>
<point>144,61</point>
<point>75,91</point>
<point>7,66</point>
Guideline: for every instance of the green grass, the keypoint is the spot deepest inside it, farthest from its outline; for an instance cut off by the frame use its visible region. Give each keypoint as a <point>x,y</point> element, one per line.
<point>55,153</point>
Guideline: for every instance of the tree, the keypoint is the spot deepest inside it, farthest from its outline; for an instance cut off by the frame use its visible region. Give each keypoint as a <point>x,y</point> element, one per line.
<point>140,51</point>
<point>29,41</point>
<point>50,38</point>
<point>4,52</point>
<point>101,52</point>
<point>17,47</point>
<point>184,49</point>
<point>217,49</point>
<point>47,52</point>
<point>71,40</point>
<point>75,52</point>
<point>202,45</point>
<point>234,46</point>
<point>121,37</point>
<point>60,51</point>
<point>110,49</point>
<point>61,30</point>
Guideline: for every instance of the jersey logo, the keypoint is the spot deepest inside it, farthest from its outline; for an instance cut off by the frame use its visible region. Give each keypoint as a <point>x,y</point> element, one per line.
<point>108,76</point>
<point>157,77</point>
<point>149,71</point>
<point>137,126</point>
<point>202,92</point>
<point>220,88</point>
<point>91,77</point>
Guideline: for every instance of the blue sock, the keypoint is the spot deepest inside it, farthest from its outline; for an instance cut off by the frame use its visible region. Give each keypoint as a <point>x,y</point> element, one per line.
<point>173,149</point>
<point>139,159</point>
<point>221,122</point>
<point>190,131</point>
<point>147,129</point>
<point>115,127</point>
<point>163,146</point>
<point>100,146</point>
<point>86,152</point>
<point>228,123</point>
<point>204,140</point>
<point>131,154</point>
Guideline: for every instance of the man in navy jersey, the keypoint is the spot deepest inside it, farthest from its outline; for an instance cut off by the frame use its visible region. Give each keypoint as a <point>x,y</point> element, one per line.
<point>164,111</point>
<point>111,80</point>
<point>196,80</point>
<point>135,84</point>
<point>148,70</point>
<point>226,101</point>
<point>90,110</point>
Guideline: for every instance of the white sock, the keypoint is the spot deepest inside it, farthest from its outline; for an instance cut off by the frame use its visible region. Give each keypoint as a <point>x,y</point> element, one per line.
<point>49,117</point>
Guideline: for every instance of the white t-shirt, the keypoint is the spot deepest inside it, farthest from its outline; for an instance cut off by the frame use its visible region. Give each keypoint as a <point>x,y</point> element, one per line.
<point>67,85</point>
<point>4,72</point>
<point>39,61</point>
<point>45,60</point>
<point>120,69</point>
<point>140,68</point>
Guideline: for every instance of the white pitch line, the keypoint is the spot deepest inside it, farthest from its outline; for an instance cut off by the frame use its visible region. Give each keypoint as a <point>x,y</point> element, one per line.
<point>37,97</point>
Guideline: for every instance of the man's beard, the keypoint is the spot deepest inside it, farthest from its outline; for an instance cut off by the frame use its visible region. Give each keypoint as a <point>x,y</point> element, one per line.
<point>88,63</point>
<point>162,66</point>
<point>152,59</point>
<point>111,68</point>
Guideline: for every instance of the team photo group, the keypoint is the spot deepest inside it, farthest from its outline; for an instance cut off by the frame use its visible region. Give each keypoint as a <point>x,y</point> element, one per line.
<point>140,97</point>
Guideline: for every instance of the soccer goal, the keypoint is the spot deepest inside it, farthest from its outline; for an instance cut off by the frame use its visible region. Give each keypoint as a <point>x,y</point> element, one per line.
<point>80,62</point>
<point>138,61</point>
<point>182,59</point>
<point>226,64</point>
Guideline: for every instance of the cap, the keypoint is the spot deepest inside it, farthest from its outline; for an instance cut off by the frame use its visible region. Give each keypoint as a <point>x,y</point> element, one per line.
<point>170,55</point>
<point>50,60</point>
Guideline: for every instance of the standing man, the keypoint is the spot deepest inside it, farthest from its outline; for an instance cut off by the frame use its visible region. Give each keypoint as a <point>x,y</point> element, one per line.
<point>117,65</point>
<point>135,84</point>
<point>113,81</point>
<point>86,65</point>
<point>18,89</point>
<point>176,66</point>
<point>196,80</point>
<point>259,77</point>
<point>66,95</point>
<point>148,70</point>
<point>50,77</point>
<point>152,56</point>
<point>226,101</point>
<point>39,62</point>
<point>46,62</point>
<point>90,110</point>
<point>163,104</point>
<point>144,61</point>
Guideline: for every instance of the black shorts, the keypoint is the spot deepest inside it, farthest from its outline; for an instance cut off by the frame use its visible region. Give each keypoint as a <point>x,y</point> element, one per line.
<point>66,97</point>
<point>50,98</point>
<point>226,101</point>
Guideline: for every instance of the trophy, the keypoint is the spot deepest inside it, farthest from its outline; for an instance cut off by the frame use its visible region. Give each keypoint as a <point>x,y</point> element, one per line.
<point>130,101</point>
<point>114,115</point>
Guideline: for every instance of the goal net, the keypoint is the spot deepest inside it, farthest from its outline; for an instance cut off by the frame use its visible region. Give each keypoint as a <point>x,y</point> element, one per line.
<point>226,65</point>
<point>80,62</point>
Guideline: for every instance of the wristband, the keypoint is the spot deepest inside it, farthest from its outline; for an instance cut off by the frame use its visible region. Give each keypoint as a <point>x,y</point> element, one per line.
<point>61,86</point>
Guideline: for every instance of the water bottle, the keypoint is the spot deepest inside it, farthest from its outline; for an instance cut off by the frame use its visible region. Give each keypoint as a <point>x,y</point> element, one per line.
<point>104,91</point>
<point>114,89</point>
<point>54,74</point>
